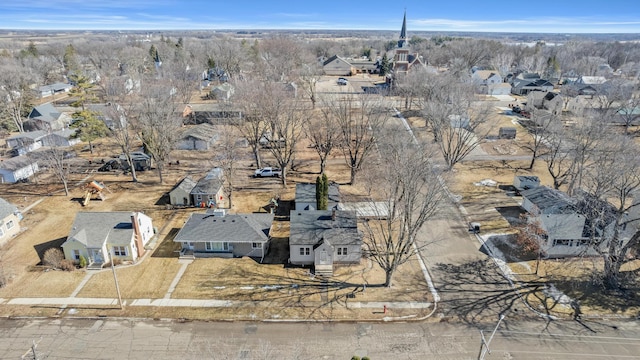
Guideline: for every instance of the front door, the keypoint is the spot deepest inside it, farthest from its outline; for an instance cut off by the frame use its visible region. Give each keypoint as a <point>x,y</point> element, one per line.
<point>96,256</point>
<point>190,245</point>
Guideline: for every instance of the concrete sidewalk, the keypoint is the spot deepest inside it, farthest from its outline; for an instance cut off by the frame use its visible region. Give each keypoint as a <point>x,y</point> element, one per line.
<point>71,301</point>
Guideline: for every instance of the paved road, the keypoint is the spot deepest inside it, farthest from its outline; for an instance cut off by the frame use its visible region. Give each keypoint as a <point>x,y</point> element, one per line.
<point>133,339</point>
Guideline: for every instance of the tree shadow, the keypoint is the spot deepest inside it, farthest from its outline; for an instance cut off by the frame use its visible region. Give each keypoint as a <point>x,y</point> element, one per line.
<point>476,291</point>
<point>43,247</point>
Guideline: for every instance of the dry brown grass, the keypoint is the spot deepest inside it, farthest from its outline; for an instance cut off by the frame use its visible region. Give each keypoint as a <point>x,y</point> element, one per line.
<point>148,280</point>
<point>44,284</point>
<point>246,279</point>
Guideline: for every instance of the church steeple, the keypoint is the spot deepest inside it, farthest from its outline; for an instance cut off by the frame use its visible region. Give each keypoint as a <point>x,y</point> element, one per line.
<point>403,33</point>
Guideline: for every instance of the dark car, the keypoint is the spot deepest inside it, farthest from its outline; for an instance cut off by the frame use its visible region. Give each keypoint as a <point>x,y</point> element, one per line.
<point>112,164</point>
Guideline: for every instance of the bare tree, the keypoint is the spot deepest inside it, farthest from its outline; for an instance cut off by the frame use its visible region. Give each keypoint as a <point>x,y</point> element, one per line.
<point>227,157</point>
<point>614,228</point>
<point>56,160</point>
<point>157,122</point>
<point>531,238</point>
<point>323,133</point>
<point>458,124</point>
<point>538,127</point>
<point>287,129</point>
<point>359,119</point>
<point>412,192</point>
<point>16,98</point>
<point>559,157</point>
<point>586,138</point>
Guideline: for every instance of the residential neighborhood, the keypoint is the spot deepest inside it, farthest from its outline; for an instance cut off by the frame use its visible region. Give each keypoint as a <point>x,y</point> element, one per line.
<point>323,177</point>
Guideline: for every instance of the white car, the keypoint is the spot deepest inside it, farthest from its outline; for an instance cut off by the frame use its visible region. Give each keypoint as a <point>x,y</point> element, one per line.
<point>342,81</point>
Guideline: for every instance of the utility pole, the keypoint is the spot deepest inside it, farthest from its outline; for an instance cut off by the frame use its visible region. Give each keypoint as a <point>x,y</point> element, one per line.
<point>115,278</point>
<point>484,344</point>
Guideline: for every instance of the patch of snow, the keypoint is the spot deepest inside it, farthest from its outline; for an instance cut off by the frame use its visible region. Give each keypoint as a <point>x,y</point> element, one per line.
<point>219,287</point>
<point>486,182</point>
<point>246,287</point>
<point>272,287</point>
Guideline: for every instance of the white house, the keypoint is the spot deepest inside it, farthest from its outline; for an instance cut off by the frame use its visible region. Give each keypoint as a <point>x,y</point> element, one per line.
<point>17,169</point>
<point>99,236</point>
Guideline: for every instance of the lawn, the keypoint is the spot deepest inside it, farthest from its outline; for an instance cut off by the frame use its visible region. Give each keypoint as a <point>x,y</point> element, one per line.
<point>147,280</point>
<point>44,284</point>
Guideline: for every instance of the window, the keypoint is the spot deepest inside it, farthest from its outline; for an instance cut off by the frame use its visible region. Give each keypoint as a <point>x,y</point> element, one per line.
<point>216,246</point>
<point>208,246</point>
<point>76,254</point>
<point>120,250</point>
<point>562,242</point>
<point>305,251</point>
<point>10,224</point>
<point>256,245</point>
<point>342,251</point>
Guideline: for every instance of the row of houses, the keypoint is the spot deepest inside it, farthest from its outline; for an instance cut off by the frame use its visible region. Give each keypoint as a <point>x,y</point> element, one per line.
<point>318,238</point>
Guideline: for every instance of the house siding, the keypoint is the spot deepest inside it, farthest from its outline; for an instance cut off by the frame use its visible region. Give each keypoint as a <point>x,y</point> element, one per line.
<point>8,176</point>
<point>9,233</point>
<point>178,196</point>
<point>297,259</point>
<point>68,249</point>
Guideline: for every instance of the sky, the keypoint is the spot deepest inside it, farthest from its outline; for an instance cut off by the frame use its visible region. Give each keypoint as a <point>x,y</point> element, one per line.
<point>559,16</point>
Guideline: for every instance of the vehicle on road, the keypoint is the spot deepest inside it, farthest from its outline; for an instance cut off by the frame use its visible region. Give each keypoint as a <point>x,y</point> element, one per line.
<point>342,81</point>
<point>267,172</point>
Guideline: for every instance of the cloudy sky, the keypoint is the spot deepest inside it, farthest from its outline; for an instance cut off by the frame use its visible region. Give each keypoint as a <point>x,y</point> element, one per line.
<point>563,16</point>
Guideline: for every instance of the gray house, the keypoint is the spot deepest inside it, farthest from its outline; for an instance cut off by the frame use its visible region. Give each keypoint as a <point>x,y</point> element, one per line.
<point>306,196</point>
<point>46,117</point>
<point>217,234</point>
<point>337,65</point>
<point>53,89</point>
<point>198,137</point>
<point>323,238</point>
<point>208,192</point>
<point>181,193</point>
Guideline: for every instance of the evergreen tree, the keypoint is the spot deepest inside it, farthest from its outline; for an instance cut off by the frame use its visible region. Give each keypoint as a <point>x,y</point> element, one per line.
<point>322,192</point>
<point>153,51</point>
<point>385,65</point>
<point>69,59</point>
<point>88,125</point>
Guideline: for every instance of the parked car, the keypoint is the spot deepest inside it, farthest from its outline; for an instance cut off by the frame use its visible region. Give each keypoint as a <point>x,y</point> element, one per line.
<point>342,81</point>
<point>112,164</point>
<point>268,172</point>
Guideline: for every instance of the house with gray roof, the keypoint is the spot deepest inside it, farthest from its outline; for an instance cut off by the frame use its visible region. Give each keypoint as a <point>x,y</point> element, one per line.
<point>17,169</point>
<point>523,86</point>
<point>323,238</point>
<point>208,191</point>
<point>46,117</point>
<point>53,89</point>
<point>198,137</point>
<point>306,196</point>
<point>101,236</point>
<point>29,141</point>
<point>217,234</point>
<point>9,221</point>
<point>574,226</point>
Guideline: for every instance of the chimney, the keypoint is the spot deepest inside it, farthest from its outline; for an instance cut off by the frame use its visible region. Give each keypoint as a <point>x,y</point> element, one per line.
<point>333,214</point>
<point>137,234</point>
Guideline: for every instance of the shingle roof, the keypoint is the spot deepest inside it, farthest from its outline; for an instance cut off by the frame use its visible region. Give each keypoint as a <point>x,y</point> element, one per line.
<point>549,201</point>
<point>187,184</point>
<point>201,131</point>
<point>6,208</point>
<point>16,163</point>
<point>45,112</point>
<point>207,186</point>
<point>245,228</point>
<point>308,227</point>
<point>94,228</point>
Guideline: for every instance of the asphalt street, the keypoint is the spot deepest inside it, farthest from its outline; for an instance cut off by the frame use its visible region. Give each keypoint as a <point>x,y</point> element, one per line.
<point>149,339</point>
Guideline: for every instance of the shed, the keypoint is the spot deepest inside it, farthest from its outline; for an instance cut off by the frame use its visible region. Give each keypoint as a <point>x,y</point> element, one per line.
<point>198,137</point>
<point>524,182</point>
<point>181,194</point>
<point>507,133</point>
